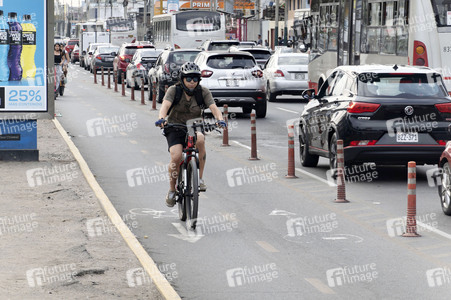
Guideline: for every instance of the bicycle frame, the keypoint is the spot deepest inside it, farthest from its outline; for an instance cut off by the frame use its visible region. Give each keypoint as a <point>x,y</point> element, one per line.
<point>189,152</point>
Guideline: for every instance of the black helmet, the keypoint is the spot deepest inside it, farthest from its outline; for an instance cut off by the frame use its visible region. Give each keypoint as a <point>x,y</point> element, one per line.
<point>189,69</point>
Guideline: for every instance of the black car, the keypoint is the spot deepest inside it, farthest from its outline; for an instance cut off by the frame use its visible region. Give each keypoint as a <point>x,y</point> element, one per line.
<point>388,115</point>
<point>166,69</point>
<point>103,57</point>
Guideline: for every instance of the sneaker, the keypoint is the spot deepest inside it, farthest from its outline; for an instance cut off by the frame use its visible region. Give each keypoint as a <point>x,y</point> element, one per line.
<point>170,199</point>
<point>202,185</point>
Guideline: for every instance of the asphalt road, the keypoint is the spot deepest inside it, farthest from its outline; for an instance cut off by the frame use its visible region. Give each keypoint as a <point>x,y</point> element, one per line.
<point>263,236</point>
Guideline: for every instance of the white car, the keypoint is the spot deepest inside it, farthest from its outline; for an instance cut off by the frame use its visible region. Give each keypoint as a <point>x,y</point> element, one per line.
<point>235,79</point>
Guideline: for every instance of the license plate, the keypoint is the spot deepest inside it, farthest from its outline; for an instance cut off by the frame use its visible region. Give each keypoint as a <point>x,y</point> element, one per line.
<point>232,82</point>
<point>108,59</point>
<point>404,137</point>
<point>299,76</point>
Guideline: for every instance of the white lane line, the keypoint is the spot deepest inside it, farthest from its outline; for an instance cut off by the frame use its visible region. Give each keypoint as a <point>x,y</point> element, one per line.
<point>268,247</point>
<point>316,177</point>
<point>320,286</point>
<point>437,231</point>
<point>287,110</point>
<point>242,145</point>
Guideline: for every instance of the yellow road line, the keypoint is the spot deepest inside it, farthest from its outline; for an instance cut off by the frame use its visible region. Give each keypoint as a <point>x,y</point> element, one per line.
<point>320,286</point>
<point>268,247</point>
<point>165,288</point>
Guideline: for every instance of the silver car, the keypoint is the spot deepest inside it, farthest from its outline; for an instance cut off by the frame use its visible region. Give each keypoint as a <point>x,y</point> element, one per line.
<point>89,52</point>
<point>286,73</point>
<point>234,79</point>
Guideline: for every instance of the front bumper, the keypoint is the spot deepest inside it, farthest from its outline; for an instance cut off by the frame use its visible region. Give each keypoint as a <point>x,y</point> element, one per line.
<point>290,87</point>
<point>238,98</point>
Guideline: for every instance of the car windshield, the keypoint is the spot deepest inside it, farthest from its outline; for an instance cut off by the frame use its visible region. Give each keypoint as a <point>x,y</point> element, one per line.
<point>72,43</point>
<point>259,54</point>
<point>401,85</point>
<point>179,58</point>
<point>293,60</point>
<point>222,46</point>
<point>103,50</point>
<point>150,53</point>
<point>231,62</point>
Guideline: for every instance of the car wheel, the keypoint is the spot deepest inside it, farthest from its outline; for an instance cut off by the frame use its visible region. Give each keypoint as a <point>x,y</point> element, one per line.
<point>270,96</point>
<point>260,109</point>
<point>160,93</point>
<point>137,87</point>
<point>247,110</point>
<point>307,159</point>
<point>333,151</point>
<point>444,189</point>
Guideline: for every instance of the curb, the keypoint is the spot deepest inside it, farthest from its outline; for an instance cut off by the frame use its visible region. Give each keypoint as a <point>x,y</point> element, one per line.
<point>160,281</point>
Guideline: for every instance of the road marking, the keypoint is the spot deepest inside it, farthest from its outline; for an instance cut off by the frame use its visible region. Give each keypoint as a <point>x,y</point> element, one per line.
<point>357,209</point>
<point>146,261</point>
<point>268,247</point>
<point>430,228</point>
<point>123,133</point>
<point>287,110</point>
<point>144,151</point>
<point>442,255</point>
<point>314,176</point>
<point>186,235</point>
<point>133,142</point>
<point>369,214</point>
<point>320,286</point>
<point>242,145</point>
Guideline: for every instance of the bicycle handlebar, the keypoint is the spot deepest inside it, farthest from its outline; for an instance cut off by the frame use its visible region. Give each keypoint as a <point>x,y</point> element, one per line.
<point>203,125</point>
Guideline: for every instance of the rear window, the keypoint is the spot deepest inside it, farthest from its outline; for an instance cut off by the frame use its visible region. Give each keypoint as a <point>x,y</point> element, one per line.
<point>198,21</point>
<point>221,46</point>
<point>150,53</point>
<point>72,43</point>
<point>180,58</point>
<point>130,51</point>
<point>401,85</point>
<point>231,62</point>
<point>293,60</point>
<point>103,50</point>
<point>258,54</point>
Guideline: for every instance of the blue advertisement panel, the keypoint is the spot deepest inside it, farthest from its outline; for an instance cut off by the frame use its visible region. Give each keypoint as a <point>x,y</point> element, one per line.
<point>23,56</point>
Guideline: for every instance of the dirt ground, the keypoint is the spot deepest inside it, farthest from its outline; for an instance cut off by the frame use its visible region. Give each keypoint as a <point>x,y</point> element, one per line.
<point>56,241</point>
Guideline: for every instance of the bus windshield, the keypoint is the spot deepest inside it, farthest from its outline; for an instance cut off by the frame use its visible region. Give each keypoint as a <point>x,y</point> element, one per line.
<point>442,9</point>
<point>401,85</point>
<point>198,21</point>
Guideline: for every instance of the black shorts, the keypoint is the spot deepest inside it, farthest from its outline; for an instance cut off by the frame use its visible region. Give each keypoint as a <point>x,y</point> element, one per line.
<point>175,136</point>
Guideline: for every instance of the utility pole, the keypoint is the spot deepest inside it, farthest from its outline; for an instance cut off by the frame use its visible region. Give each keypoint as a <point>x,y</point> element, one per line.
<point>276,29</point>
<point>145,20</point>
<point>260,26</point>
<point>285,31</point>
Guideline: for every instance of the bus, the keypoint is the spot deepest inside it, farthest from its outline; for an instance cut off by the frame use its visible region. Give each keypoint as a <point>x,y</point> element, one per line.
<point>354,32</point>
<point>121,30</point>
<point>187,28</point>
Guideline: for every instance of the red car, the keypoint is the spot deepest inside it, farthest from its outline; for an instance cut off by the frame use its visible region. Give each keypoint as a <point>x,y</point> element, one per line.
<point>444,176</point>
<point>125,55</point>
<point>70,45</point>
<point>75,56</point>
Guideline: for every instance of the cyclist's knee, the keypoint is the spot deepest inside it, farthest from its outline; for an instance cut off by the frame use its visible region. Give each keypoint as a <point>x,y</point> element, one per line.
<point>200,139</point>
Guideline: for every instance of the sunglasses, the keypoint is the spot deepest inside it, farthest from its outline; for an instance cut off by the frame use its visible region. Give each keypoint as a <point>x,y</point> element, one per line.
<point>189,79</point>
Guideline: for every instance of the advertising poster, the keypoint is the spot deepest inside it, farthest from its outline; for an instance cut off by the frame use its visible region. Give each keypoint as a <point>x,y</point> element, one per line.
<point>23,56</point>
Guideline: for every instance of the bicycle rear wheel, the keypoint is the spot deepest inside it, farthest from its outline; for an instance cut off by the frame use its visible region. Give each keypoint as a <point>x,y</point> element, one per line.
<point>180,195</point>
<point>192,195</point>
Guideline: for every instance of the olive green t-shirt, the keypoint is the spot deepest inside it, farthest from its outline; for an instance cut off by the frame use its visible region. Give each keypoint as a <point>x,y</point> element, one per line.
<point>186,109</point>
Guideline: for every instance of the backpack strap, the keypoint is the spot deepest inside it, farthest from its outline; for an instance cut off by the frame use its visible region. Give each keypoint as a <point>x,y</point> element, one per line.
<point>177,97</point>
<point>197,94</point>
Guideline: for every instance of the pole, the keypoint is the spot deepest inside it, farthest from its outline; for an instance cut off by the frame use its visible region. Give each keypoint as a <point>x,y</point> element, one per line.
<point>276,27</point>
<point>411,223</point>
<point>145,19</point>
<point>253,138</point>
<point>143,102</point>
<point>285,19</point>
<point>291,162</point>
<point>341,175</point>
<point>225,131</point>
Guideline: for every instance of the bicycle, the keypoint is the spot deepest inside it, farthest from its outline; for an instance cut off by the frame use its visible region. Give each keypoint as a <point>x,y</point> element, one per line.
<point>187,185</point>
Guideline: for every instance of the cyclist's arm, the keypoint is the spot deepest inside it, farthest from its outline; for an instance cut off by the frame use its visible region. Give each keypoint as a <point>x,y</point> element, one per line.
<point>164,109</point>
<point>216,112</point>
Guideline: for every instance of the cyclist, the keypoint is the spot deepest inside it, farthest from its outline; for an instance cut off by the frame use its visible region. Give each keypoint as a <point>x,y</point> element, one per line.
<point>66,61</point>
<point>185,109</point>
<point>59,59</point>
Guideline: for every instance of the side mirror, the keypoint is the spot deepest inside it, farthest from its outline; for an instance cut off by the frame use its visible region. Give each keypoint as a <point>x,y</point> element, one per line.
<point>127,60</point>
<point>309,94</point>
<point>113,54</point>
<point>90,53</point>
<point>83,52</point>
<point>289,43</point>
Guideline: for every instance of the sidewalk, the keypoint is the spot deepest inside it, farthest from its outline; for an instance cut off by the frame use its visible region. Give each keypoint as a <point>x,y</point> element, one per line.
<point>57,242</point>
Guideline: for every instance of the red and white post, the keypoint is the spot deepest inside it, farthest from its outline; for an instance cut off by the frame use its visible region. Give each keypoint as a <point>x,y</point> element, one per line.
<point>253,138</point>
<point>411,224</point>
<point>225,131</point>
<point>341,188</point>
<point>291,170</point>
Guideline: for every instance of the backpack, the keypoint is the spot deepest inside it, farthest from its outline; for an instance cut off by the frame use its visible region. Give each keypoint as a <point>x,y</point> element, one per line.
<point>178,95</point>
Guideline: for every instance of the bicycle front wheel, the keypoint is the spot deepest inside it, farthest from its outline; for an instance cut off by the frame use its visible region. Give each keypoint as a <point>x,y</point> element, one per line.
<point>181,195</point>
<point>192,195</point>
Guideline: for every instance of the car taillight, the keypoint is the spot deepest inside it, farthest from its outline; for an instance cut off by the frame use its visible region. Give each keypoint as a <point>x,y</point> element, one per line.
<point>99,57</point>
<point>257,73</point>
<point>444,107</point>
<point>362,107</point>
<point>441,142</point>
<point>278,73</point>
<point>206,73</point>
<point>122,58</point>
<point>363,143</point>
<point>139,66</point>
<point>420,54</point>
<point>166,68</point>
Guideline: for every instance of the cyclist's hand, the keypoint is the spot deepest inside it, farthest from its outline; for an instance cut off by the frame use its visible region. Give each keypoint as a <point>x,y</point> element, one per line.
<point>222,124</point>
<point>160,123</point>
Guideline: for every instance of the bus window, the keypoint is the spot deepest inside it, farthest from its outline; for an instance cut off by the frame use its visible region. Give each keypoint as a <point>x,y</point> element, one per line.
<point>441,9</point>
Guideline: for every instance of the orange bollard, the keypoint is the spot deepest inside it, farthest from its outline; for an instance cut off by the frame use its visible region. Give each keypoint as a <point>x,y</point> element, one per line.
<point>115,81</point>
<point>109,80</point>
<point>253,138</point>
<point>341,188</point>
<point>103,79</point>
<point>291,171</point>
<point>123,84</point>
<point>225,131</point>
<point>154,97</point>
<point>411,224</point>
<point>142,92</point>
<point>95,74</point>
